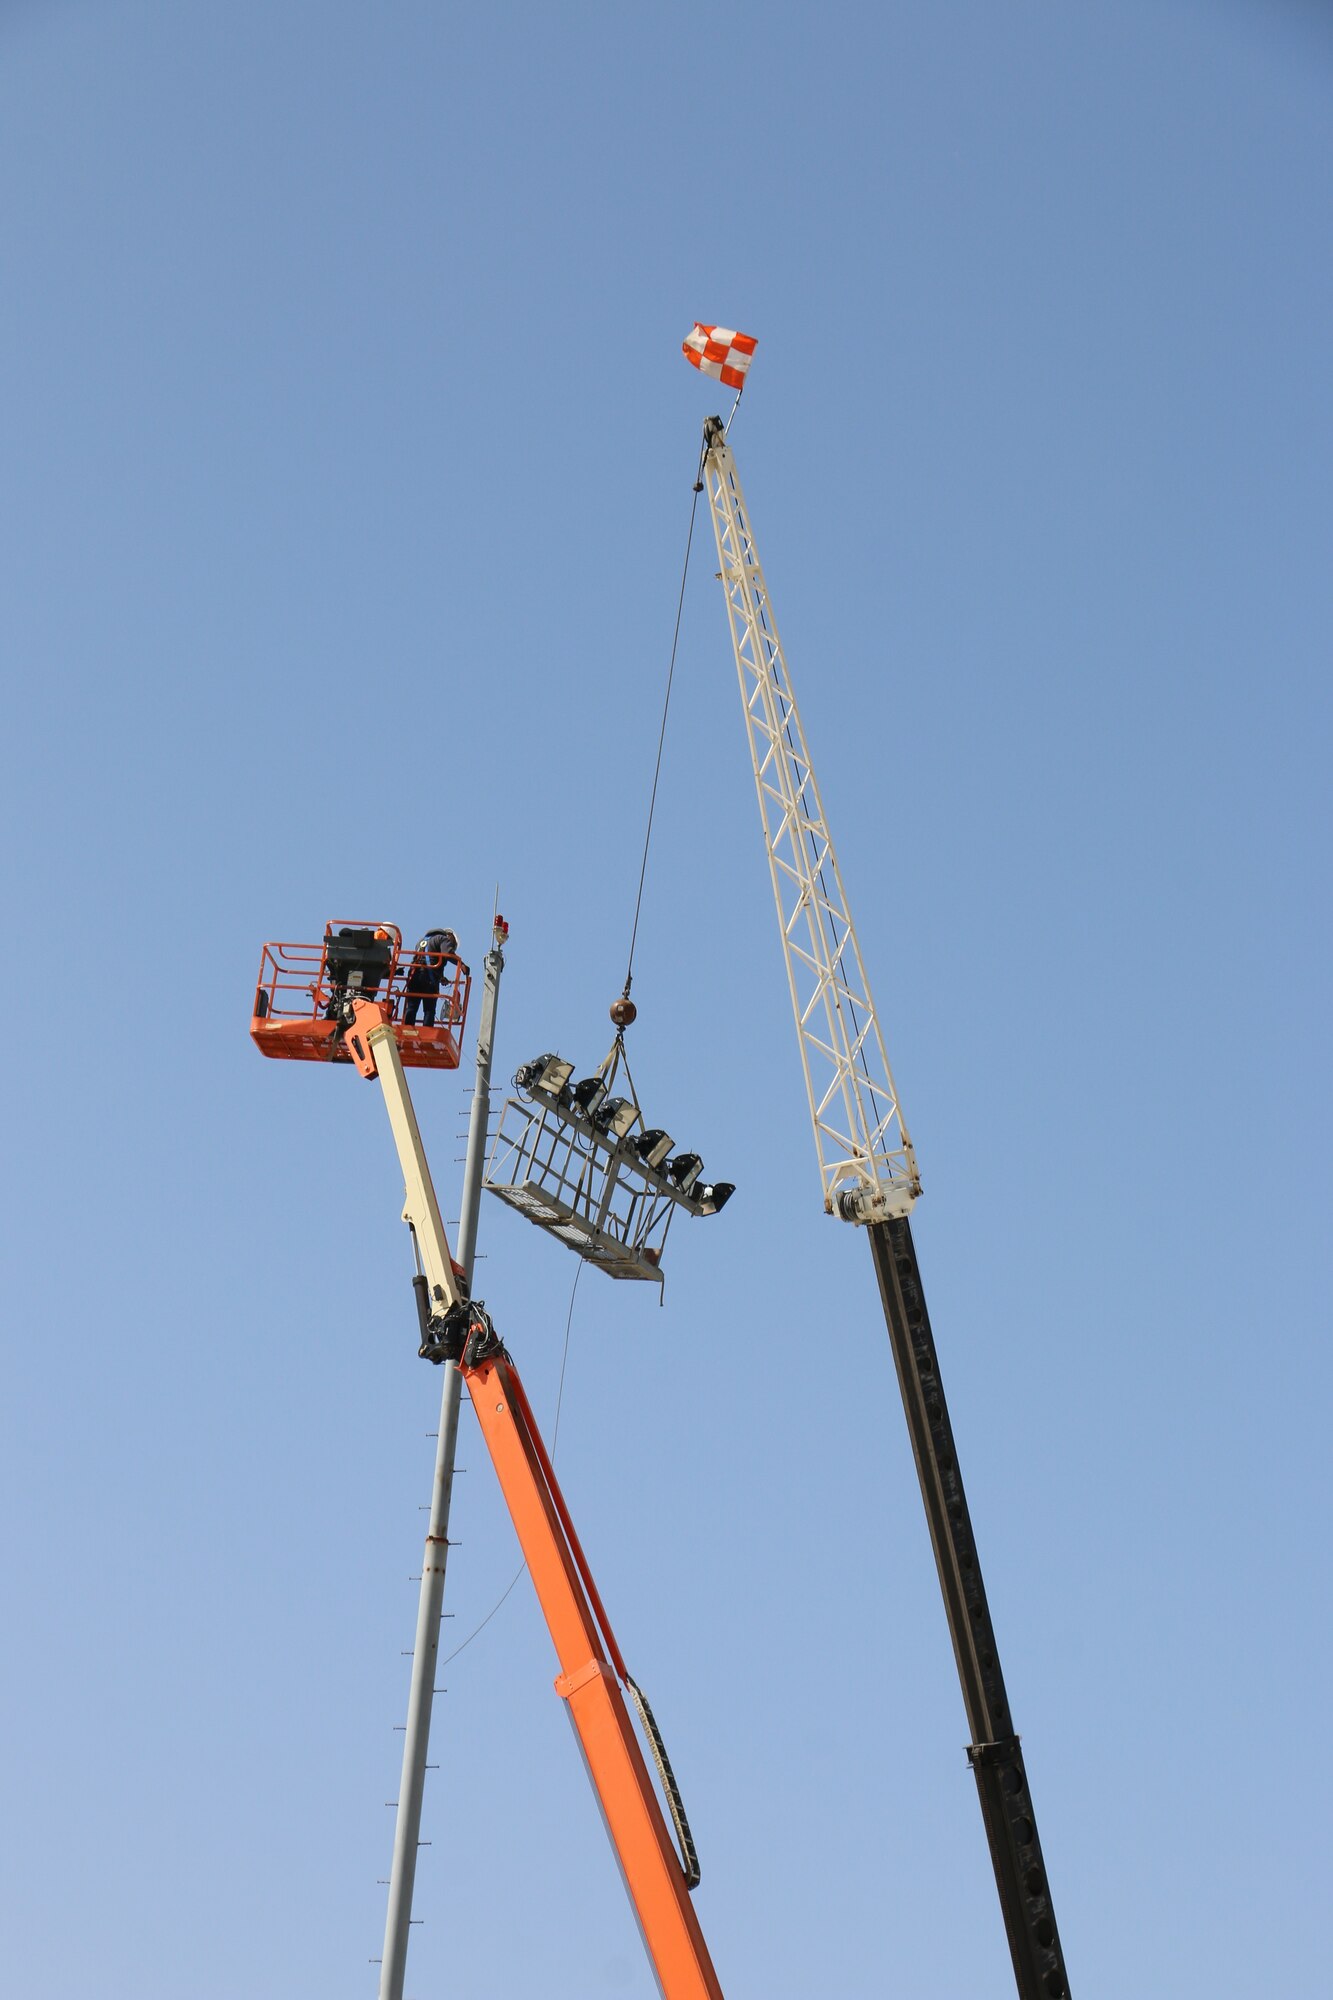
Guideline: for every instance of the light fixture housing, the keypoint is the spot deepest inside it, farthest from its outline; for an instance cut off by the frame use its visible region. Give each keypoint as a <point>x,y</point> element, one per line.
<point>653,1146</point>
<point>713,1196</point>
<point>589,1095</point>
<point>685,1170</point>
<point>548,1073</point>
<point>615,1117</point>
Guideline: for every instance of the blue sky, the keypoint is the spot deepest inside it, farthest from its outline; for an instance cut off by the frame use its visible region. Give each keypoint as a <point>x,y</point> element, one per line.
<point>348,452</point>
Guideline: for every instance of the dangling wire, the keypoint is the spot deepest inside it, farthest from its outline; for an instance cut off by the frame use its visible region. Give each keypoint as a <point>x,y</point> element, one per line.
<point>661,734</point>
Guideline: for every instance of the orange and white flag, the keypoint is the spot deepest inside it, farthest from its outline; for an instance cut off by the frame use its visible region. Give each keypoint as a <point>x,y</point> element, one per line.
<point>721,352</point>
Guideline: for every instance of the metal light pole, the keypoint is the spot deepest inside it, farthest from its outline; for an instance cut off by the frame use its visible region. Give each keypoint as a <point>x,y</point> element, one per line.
<point>425,1652</point>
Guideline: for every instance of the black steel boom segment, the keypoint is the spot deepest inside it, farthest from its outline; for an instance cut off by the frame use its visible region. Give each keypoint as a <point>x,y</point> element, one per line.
<point>994,1752</point>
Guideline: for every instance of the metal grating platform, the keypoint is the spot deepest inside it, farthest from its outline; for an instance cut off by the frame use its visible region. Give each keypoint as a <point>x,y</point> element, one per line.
<point>617,1259</point>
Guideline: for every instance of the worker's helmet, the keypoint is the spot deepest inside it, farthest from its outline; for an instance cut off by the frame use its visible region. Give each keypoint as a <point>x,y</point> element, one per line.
<point>450,941</point>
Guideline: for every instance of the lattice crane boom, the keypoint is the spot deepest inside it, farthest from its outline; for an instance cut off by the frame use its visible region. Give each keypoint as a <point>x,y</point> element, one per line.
<point>866,1162</point>
<point>869,1176</point>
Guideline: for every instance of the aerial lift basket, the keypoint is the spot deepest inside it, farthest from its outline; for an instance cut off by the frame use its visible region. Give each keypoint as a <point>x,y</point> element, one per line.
<point>303,989</point>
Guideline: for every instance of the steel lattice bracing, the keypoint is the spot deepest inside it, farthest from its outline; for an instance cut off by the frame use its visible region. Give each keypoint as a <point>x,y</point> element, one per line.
<point>866,1162</point>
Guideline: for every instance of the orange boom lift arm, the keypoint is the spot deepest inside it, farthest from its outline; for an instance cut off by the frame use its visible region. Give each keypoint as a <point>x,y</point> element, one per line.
<point>593,1680</point>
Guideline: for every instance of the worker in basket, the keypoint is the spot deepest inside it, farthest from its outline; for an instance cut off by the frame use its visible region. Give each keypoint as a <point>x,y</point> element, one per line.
<point>425,974</point>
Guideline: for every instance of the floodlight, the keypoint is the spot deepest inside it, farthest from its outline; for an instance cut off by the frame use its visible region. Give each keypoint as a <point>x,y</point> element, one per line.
<point>589,1095</point>
<point>615,1117</point>
<point>653,1146</point>
<point>548,1073</point>
<point>685,1170</point>
<point>713,1196</point>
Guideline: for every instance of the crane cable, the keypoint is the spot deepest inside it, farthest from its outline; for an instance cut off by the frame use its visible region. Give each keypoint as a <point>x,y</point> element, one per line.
<point>661,734</point>
<point>629,977</point>
<point>648,1722</point>
<point>689,1857</point>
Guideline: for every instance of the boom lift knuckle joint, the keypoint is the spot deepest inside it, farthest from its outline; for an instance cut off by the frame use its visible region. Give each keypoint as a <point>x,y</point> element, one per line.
<point>444,1335</point>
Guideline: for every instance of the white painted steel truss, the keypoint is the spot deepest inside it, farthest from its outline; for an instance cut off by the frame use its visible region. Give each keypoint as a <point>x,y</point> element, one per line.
<point>866,1161</point>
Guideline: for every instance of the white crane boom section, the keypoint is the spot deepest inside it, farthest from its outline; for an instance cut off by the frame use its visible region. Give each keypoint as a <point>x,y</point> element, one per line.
<point>866,1162</point>
<point>421,1208</point>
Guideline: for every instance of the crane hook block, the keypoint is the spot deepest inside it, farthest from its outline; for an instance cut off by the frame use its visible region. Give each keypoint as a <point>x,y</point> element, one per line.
<point>623,1011</point>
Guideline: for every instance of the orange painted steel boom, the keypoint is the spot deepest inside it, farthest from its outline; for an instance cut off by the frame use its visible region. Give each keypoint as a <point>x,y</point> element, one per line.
<point>592,1672</point>
<point>591,1677</point>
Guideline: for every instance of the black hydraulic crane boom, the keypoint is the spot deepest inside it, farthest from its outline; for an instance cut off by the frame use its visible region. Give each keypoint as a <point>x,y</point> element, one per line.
<point>994,1751</point>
